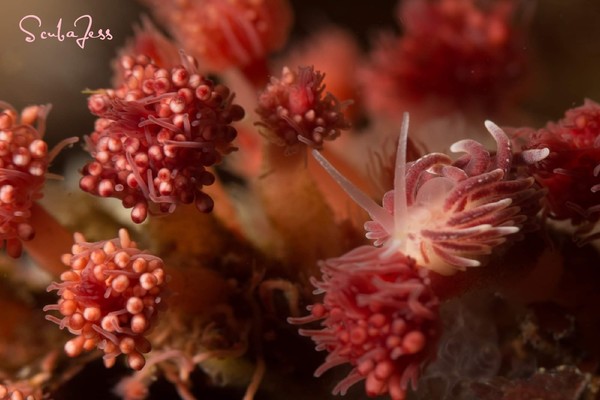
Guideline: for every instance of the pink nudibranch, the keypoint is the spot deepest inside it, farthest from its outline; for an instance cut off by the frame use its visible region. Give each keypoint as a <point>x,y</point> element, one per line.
<point>448,215</point>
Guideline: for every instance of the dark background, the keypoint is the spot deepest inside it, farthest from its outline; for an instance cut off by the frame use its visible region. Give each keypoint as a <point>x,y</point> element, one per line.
<point>565,41</point>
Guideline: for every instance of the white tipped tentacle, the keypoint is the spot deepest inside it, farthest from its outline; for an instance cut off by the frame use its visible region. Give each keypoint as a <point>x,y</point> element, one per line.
<point>400,205</point>
<point>533,156</point>
<point>504,147</point>
<point>375,211</point>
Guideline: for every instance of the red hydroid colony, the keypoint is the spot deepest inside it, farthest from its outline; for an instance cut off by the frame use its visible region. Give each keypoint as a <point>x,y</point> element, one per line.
<point>455,52</point>
<point>109,298</point>
<point>24,164</point>
<point>571,170</point>
<point>428,275</point>
<point>379,314</point>
<point>294,110</point>
<point>156,135</point>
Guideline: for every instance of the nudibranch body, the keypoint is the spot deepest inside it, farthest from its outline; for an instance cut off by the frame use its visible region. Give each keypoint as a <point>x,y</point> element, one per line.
<point>448,215</point>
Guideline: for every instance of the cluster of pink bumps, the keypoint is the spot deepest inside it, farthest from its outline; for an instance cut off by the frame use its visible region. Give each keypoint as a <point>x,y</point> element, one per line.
<point>23,165</point>
<point>156,135</point>
<point>109,298</point>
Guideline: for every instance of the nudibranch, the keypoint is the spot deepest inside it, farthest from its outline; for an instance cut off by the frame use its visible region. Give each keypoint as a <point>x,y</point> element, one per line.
<point>448,215</point>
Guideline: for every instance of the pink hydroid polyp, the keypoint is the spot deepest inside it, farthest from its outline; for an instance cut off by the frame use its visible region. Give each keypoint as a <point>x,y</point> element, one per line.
<point>24,161</point>
<point>156,135</point>
<point>379,315</point>
<point>226,33</point>
<point>296,110</point>
<point>571,172</point>
<point>463,52</point>
<point>109,298</point>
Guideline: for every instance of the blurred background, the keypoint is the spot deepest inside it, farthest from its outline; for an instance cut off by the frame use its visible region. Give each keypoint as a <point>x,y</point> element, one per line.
<point>565,42</point>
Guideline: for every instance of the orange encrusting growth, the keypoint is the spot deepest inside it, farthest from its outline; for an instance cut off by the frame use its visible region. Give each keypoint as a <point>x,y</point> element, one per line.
<point>48,230</point>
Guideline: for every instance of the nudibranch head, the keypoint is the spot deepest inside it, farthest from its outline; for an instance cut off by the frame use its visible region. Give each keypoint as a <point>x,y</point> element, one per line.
<point>448,215</point>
